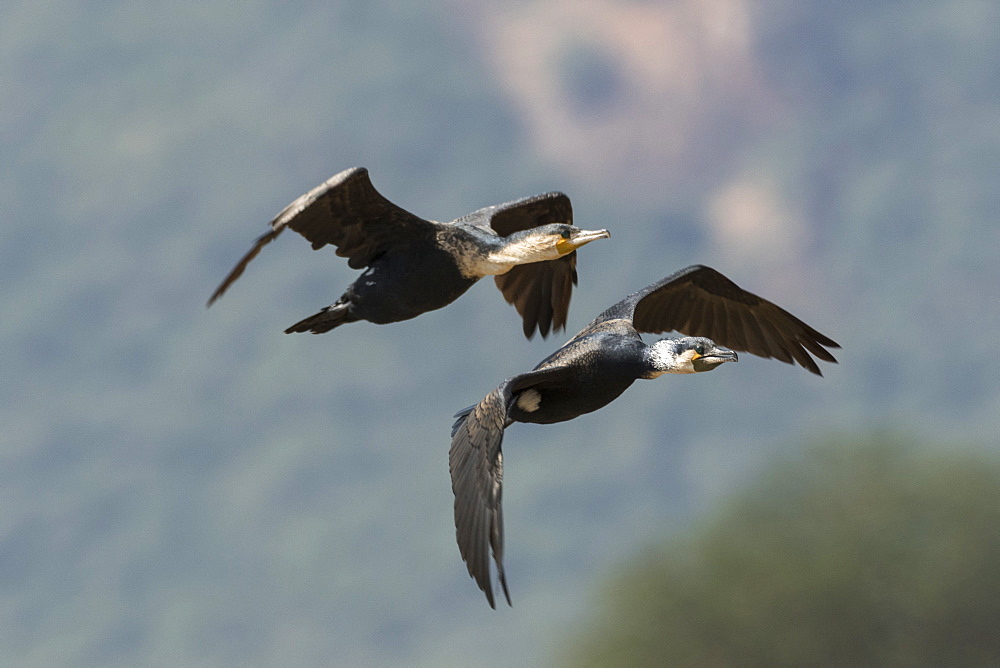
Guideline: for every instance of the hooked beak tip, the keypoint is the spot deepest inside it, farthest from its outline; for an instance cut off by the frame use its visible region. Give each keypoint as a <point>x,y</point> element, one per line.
<point>587,236</point>
<point>724,355</point>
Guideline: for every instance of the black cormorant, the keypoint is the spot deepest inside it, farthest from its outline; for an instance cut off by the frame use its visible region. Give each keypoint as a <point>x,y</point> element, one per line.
<point>595,367</point>
<point>414,265</point>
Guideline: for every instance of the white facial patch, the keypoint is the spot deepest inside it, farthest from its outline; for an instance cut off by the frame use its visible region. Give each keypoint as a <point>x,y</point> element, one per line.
<point>529,400</point>
<point>663,360</point>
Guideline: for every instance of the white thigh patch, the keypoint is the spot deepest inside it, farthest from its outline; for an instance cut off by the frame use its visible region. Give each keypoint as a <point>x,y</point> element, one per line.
<point>529,400</point>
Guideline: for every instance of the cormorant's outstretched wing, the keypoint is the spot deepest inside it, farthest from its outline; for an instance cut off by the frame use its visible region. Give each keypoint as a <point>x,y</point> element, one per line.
<point>345,211</point>
<point>476,464</point>
<point>699,301</point>
<point>540,291</point>
<point>522,214</point>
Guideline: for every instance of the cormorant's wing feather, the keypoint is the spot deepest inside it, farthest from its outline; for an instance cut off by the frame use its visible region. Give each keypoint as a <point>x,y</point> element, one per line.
<point>522,214</point>
<point>476,464</point>
<point>540,291</point>
<point>699,301</point>
<point>237,271</point>
<point>345,211</point>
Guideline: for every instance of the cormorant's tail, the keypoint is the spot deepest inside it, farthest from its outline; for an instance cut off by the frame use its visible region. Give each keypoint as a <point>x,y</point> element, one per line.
<point>332,316</point>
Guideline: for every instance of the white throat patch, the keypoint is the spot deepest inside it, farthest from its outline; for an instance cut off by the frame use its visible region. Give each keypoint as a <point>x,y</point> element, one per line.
<point>663,360</point>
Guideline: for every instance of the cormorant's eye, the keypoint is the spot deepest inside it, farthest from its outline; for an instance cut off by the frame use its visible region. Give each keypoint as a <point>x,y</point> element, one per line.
<point>565,234</point>
<point>700,349</point>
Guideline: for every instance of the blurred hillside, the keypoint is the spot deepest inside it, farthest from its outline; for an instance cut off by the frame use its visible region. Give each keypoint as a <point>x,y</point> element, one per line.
<point>872,555</point>
<point>189,486</point>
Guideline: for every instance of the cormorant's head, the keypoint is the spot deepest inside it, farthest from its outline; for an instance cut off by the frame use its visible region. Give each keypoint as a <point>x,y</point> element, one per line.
<point>552,241</point>
<point>689,354</point>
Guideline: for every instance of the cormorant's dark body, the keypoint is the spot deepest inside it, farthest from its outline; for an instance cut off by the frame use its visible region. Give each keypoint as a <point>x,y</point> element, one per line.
<point>413,265</point>
<point>599,367</point>
<point>595,367</point>
<point>404,283</point>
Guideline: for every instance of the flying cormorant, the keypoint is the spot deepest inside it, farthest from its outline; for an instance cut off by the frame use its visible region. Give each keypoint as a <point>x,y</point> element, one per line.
<point>414,265</point>
<point>595,367</point>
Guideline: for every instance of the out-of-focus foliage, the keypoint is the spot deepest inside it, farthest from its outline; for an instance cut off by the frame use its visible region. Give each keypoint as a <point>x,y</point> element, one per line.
<point>853,555</point>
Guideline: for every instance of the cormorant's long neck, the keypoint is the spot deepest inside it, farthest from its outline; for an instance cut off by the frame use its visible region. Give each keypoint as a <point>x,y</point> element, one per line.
<point>519,249</point>
<point>508,256</point>
<point>480,254</point>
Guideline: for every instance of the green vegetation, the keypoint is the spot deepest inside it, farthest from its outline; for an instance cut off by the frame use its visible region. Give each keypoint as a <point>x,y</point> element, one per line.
<point>861,555</point>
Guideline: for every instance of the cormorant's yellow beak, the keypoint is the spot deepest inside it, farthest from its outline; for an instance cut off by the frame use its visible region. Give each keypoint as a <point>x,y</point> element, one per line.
<point>580,238</point>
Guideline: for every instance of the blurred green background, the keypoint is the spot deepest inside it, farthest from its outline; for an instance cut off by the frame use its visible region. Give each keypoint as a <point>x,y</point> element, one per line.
<point>182,486</point>
<point>855,554</point>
